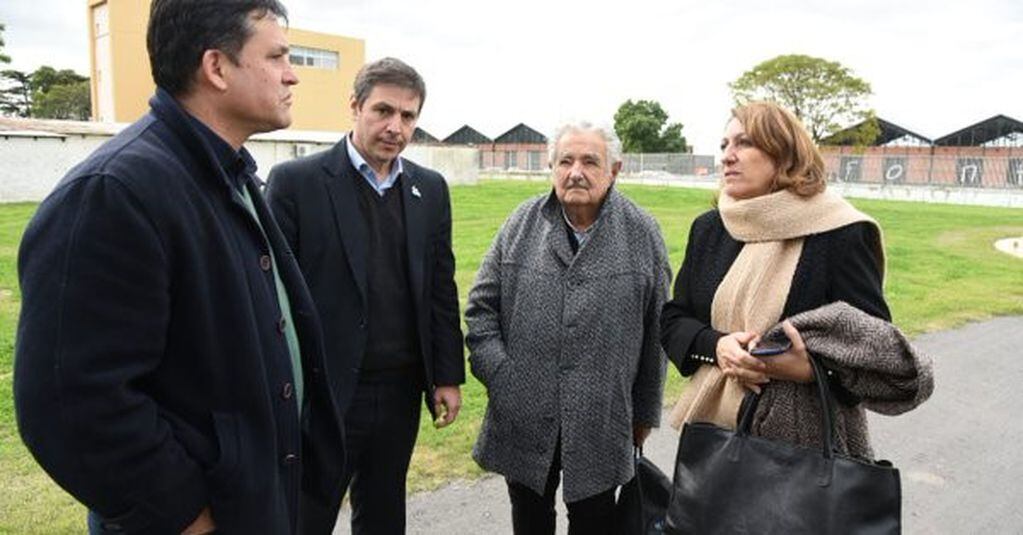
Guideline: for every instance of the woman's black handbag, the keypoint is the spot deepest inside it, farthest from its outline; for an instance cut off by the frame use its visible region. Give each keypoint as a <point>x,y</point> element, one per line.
<point>731,482</point>
<point>643,500</point>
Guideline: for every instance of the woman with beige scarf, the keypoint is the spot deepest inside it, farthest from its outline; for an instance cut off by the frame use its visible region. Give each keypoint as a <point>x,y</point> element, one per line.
<point>776,246</point>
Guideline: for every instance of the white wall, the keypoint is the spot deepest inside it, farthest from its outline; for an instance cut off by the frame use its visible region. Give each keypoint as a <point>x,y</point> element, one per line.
<point>1007,198</point>
<point>30,167</point>
<point>459,165</point>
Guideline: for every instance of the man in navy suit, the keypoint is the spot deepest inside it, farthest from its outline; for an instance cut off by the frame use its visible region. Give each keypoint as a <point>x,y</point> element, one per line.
<point>169,361</point>
<point>372,234</point>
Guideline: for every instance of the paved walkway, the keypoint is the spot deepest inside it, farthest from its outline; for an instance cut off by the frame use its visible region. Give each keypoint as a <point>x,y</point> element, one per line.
<point>958,453</point>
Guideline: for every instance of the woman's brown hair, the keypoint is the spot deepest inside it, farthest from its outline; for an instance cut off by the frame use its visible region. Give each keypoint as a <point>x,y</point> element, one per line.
<point>778,133</point>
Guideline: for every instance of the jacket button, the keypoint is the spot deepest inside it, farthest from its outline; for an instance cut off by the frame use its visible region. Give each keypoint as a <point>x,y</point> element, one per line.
<point>290,459</point>
<point>287,390</point>
<point>281,324</point>
<point>362,323</point>
<point>265,263</point>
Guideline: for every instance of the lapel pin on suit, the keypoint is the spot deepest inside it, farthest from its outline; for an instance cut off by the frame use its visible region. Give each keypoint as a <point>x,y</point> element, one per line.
<point>415,192</point>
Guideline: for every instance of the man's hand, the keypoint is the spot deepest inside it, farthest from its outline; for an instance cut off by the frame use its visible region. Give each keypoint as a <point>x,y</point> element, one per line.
<point>447,400</point>
<point>202,524</point>
<point>639,435</point>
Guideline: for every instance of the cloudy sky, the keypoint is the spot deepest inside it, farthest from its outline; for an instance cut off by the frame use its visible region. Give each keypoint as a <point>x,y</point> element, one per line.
<point>934,66</point>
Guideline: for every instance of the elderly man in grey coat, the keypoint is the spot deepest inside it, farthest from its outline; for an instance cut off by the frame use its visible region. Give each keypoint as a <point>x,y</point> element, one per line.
<point>563,332</point>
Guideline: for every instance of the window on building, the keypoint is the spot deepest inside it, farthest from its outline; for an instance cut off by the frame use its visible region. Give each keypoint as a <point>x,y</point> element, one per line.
<point>534,160</point>
<point>314,57</point>
<point>511,159</point>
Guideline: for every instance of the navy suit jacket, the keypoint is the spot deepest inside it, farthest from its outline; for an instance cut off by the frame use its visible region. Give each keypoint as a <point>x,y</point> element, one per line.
<point>317,207</point>
<point>151,376</point>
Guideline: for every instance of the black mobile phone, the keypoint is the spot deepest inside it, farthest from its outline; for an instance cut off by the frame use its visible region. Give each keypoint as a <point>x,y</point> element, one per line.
<point>770,349</point>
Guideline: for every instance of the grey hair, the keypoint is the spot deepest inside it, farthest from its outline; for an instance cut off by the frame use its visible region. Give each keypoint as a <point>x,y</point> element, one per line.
<point>388,71</point>
<point>614,145</point>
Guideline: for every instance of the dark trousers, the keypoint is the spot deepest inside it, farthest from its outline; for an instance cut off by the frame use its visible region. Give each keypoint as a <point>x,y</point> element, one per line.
<point>533,514</point>
<point>381,425</point>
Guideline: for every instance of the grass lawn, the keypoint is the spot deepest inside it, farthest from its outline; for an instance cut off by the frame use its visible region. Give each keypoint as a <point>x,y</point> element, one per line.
<point>942,272</point>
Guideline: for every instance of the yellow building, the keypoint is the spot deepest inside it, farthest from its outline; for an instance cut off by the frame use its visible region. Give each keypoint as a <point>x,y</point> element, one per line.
<point>122,84</point>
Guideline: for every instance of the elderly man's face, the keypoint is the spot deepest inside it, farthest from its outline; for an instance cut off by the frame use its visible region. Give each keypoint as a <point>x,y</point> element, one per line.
<point>582,174</point>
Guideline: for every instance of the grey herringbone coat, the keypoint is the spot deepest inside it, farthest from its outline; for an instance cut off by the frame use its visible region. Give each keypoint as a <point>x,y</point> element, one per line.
<point>568,343</point>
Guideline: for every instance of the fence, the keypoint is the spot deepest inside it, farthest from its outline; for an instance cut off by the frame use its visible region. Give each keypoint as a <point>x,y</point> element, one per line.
<point>672,163</point>
<point>535,161</point>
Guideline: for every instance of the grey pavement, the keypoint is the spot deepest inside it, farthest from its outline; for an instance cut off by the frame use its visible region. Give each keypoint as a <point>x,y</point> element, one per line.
<point>957,453</point>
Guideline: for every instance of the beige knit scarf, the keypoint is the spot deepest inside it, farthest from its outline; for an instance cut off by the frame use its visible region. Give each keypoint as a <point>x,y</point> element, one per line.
<point>753,293</point>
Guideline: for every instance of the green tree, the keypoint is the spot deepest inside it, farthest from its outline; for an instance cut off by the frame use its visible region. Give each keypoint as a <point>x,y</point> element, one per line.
<point>64,101</point>
<point>15,93</point>
<point>859,135</point>
<point>4,58</point>
<point>641,126</point>
<point>46,93</point>
<point>45,78</point>
<point>59,94</point>
<point>824,94</point>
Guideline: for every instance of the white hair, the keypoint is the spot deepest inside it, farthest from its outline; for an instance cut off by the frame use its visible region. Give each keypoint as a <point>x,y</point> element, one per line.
<point>614,145</point>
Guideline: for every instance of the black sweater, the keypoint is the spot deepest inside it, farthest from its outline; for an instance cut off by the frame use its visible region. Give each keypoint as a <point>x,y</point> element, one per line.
<point>839,265</point>
<point>391,342</point>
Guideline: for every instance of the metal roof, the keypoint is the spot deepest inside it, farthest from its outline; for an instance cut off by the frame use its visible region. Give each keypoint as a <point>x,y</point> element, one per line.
<point>422,136</point>
<point>467,135</point>
<point>521,133</point>
<point>889,132</point>
<point>983,132</point>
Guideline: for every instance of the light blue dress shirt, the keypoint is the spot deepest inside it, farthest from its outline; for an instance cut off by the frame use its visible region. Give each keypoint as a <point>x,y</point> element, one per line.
<point>369,174</point>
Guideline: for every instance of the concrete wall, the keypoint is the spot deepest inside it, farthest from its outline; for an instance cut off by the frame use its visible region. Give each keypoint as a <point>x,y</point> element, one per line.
<point>32,165</point>
<point>459,165</point>
<point>936,193</point>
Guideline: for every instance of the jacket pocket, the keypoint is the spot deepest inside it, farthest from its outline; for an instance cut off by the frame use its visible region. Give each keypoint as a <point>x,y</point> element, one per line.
<point>225,425</point>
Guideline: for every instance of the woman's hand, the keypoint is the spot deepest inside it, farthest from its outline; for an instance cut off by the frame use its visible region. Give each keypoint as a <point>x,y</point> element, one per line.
<point>792,365</point>
<point>735,361</point>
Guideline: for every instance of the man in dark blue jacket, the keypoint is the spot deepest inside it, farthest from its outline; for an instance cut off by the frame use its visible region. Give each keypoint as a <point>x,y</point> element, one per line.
<point>169,367</point>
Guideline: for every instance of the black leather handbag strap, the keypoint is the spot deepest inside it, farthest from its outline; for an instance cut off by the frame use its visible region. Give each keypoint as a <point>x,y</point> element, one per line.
<point>827,418</point>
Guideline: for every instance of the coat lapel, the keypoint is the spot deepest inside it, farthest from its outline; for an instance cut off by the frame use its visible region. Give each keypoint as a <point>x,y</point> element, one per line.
<point>557,235</point>
<point>340,183</point>
<point>415,231</point>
